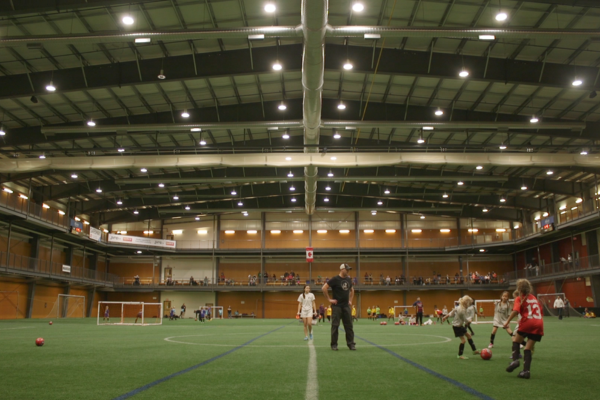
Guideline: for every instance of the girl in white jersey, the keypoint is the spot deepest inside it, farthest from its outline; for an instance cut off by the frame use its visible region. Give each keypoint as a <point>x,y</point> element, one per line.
<point>306,308</point>
<point>462,318</point>
<point>502,310</point>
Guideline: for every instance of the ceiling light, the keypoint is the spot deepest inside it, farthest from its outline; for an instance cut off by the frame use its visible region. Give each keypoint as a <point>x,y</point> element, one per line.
<point>482,250</point>
<point>549,172</point>
<point>50,87</point>
<point>416,230</point>
<point>233,192</point>
<point>579,200</point>
<point>344,231</point>
<point>574,208</point>
<point>333,158</point>
<point>270,8</point>
<point>136,212</point>
<point>584,152</point>
<point>337,136</point>
<point>105,230</point>
<point>485,210</point>
<point>460,183</point>
<point>187,208</point>
<point>379,203</point>
<point>74,176</point>
<point>386,191</point>
<point>292,188</point>
<point>322,231</point>
<point>487,37</point>
<point>251,232</point>
<point>326,200</point>
<point>119,202</point>
<point>298,231</point>
<point>120,150</point>
<point>196,130</point>
<point>545,214</point>
<point>500,230</point>
<point>330,174</point>
<point>368,231</point>
<point>99,190</point>
<point>502,200</point>
<point>502,147</point>
<point>288,159</point>
<point>197,219</point>
<point>185,114</point>
<point>561,213</point>
<point>2,131</point>
<point>177,231</point>
<point>473,230</point>
<point>534,119</point>
<point>501,16</point>
<point>373,212</point>
<point>427,128</point>
<point>229,232</point>
<point>390,231</point>
<point>445,230</point>
<point>348,66</point>
<point>142,40</point>
<point>61,212</point>
<point>327,188</point>
<point>479,167</point>
<point>439,112</point>
<point>420,140</point>
<point>523,187</point>
<point>127,20</point>
<point>161,74</point>
<point>175,197</point>
<point>290,174</point>
<point>23,197</point>
<point>240,203</point>
<point>422,217</point>
<point>46,206</point>
<point>293,199</point>
<point>277,66</point>
<point>358,7</point>
<point>562,207</point>
<point>577,82</point>
<point>285,136</point>
<point>282,107</point>
<point>202,142</point>
<point>139,252</point>
<point>161,185</point>
<point>341,106</point>
<point>464,73</point>
<point>445,195</point>
<point>148,232</point>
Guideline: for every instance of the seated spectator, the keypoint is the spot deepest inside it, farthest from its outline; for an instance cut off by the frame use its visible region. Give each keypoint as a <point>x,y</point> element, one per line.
<point>236,313</point>
<point>136,280</point>
<point>169,281</point>
<point>387,280</point>
<point>319,279</point>
<point>206,281</point>
<point>397,280</point>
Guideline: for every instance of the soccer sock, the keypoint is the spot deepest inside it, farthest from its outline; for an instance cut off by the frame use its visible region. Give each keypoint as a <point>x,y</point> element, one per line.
<point>492,338</point>
<point>472,344</point>
<point>461,349</point>
<point>527,359</point>
<point>471,330</point>
<point>516,351</point>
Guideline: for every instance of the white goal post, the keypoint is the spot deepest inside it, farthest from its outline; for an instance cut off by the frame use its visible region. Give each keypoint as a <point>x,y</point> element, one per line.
<point>547,301</point>
<point>129,313</point>
<point>489,308</point>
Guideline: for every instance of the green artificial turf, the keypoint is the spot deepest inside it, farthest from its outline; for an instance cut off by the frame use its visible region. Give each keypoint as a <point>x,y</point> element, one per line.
<point>83,361</point>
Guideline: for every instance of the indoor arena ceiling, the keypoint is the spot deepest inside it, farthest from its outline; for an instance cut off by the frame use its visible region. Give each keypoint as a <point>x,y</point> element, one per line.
<point>351,116</point>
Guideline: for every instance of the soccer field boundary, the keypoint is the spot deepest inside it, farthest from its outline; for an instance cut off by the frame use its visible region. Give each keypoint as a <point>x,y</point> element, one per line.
<point>176,374</point>
<point>451,381</point>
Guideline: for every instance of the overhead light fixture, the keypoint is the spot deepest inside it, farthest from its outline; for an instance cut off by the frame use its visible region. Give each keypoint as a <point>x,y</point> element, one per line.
<point>127,20</point>
<point>122,232</point>
<point>416,230</point>
<point>298,231</point>
<point>46,206</point>
<point>233,192</point>
<point>61,212</point>
<point>386,191</point>
<point>50,87</point>
<point>277,66</point>
<point>290,174</point>
<point>427,128</point>
<point>369,231</point>
<point>390,231</point>
<point>500,230</point>
<point>422,217</point>
<point>293,199</point>
<point>549,172</point>
<point>196,130</point>
<point>119,202</point>
<point>482,250</point>
<point>161,185</point>
<point>142,40</point>
<point>479,167</point>
<point>288,159</point>
<point>460,183</point>
<point>185,114</point>
<point>373,212</point>
<point>42,156</point>
<point>534,119</point>
<point>148,232</point>
<point>464,73</point>
<point>485,210</point>
<point>187,208</point>
<point>285,136</point>
<point>326,200</point>
<point>584,152</point>
<point>136,212</point>
<point>344,231</point>
<point>573,208</point>
<point>74,176</point>
<point>251,232</point>
<point>380,203</point>
<point>197,218</point>
<point>502,146</point>
<point>270,8</point>
<point>545,214</point>
<point>577,82</point>
<point>579,200</point>
<point>501,16</point>
<point>524,187</point>
<point>502,200</point>
<point>327,187</point>
<point>333,158</point>
<point>358,7</point>
<point>202,142</point>
<point>99,190</point>
<point>337,136</point>
<point>445,230</point>
<point>322,231</point>
<point>177,231</point>
<point>175,197</point>
<point>2,131</point>
<point>439,112</point>
<point>161,74</point>
<point>240,203</point>
<point>229,232</point>
<point>420,140</point>
<point>341,106</point>
<point>348,66</point>
<point>105,230</point>
<point>487,37</point>
<point>34,99</point>
<point>91,123</point>
<point>445,195</point>
<point>202,232</point>
<point>292,188</point>
<point>563,207</point>
<point>282,107</point>
<point>330,174</point>
<point>23,197</point>
<point>121,150</point>
<point>473,230</point>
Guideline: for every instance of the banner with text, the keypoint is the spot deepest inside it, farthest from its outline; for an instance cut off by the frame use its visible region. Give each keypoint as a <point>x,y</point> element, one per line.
<point>141,241</point>
<point>95,234</point>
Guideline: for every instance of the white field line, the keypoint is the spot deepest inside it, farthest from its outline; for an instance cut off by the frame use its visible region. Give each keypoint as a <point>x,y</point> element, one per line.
<point>312,384</point>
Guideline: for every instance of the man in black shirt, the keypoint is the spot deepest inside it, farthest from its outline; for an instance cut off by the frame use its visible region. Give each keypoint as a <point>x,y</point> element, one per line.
<point>343,294</point>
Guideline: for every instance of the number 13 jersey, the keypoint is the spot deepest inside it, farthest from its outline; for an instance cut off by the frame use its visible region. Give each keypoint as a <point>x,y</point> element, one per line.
<point>531,315</point>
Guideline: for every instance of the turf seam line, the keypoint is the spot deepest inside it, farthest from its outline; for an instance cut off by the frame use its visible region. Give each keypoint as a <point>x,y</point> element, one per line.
<point>176,374</point>
<point>432,372</point>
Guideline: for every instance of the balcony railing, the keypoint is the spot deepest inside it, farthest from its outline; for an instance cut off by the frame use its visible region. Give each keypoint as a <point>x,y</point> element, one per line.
<point>558,268</point>
<point>37,267</point>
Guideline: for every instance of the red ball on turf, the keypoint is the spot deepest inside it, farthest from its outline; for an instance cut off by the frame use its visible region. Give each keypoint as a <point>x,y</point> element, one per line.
<point>396,323</point>
<point>384,322</point>
<point>39,341</point>
<point>486,354</point>
<point>381,323</point>
<point>50,323</point>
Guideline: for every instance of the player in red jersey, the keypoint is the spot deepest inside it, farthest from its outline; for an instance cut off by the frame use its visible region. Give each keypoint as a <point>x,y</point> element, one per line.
<point>531,326</point>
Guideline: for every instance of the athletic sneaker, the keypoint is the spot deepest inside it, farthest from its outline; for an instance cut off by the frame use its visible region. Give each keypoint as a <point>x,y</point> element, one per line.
<point>334,347</point>
<point>475,352</point>
<point>524,374</point>
<point>352,346</point>
<point>513,365</point>
<point>305,337</point>
<point>462,357</point>
<point>491,346</point>
<point>310,337</point>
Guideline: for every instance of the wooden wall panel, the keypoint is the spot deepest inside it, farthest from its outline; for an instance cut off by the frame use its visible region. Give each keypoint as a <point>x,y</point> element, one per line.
<point>239,272</point>
<point>252,302</point>
<point>379,239</point>
<point>239,240</point>
<point>129,270</point>
<point>151,297</point>
<point>45,301</point>
<point>13,299</point>
<point>577,292</point>
<point>286,240</point>
<point>333,239</point>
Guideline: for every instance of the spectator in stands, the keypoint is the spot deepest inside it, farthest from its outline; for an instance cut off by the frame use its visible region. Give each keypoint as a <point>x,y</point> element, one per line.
<point>222,275</point>
<point>192,281</point>
<point>371,278</point>
<point>387,280</point>
<point>456,278</point>
<point>206,281</point>
<point>136,280</point>
<point>381,279</point>
<point>236,313</point>
<point>397,280</point>
<point>366,277</point>
<point>169,281</point>
<point>569,261</point>
<point>274,278</point>
<point>402,280</point>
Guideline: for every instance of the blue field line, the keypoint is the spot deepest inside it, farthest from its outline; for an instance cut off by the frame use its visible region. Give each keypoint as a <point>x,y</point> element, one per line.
<point>451,381</point>
<point>176,374</point>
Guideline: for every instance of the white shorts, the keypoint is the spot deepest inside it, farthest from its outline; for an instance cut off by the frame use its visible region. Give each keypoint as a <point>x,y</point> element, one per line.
<point>306,313</point>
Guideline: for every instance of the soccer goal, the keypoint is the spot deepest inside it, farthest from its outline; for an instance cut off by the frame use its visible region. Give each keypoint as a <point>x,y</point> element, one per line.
<point>547,301</point>
<point>489,308</point>
<point>216,312</point>
<point>129,313</point>
<point>70,306</point>
<point>9,305</point>
<point>400,312</point>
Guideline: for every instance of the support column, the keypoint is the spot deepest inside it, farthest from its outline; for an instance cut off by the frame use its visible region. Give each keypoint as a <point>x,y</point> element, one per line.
<point>217,270</point>
<point>69,255</point>
<point>261,278</point>
<point>30,298</point>
<point>8,243</point>
<point>458,230</point>
<point>310,230</point>
<point>263,225</point>
<point>34,252</point>
<point>90,304</point>
<point>217,231</point>
<point>358,268</point>
<point>402,233</point>
<point>460,266</point>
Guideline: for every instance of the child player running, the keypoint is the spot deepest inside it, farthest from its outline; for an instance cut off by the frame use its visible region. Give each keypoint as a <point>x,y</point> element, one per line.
<point>531,326</point>
<point>307,307</point>
<point>461,320</point>
<point>501,312</point>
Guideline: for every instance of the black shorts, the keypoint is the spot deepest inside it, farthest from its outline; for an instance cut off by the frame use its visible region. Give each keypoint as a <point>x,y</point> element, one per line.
<point>532,336</point>
<point>459,331</point>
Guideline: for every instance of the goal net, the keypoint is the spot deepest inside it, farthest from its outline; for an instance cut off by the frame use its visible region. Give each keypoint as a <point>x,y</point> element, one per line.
<point>129,313</point>
<point>547,301</point>
<point>485,310</point>
<point>402,313</point>
<point>216,312</point>
<point>9,305</point>
<point>70,306</point>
